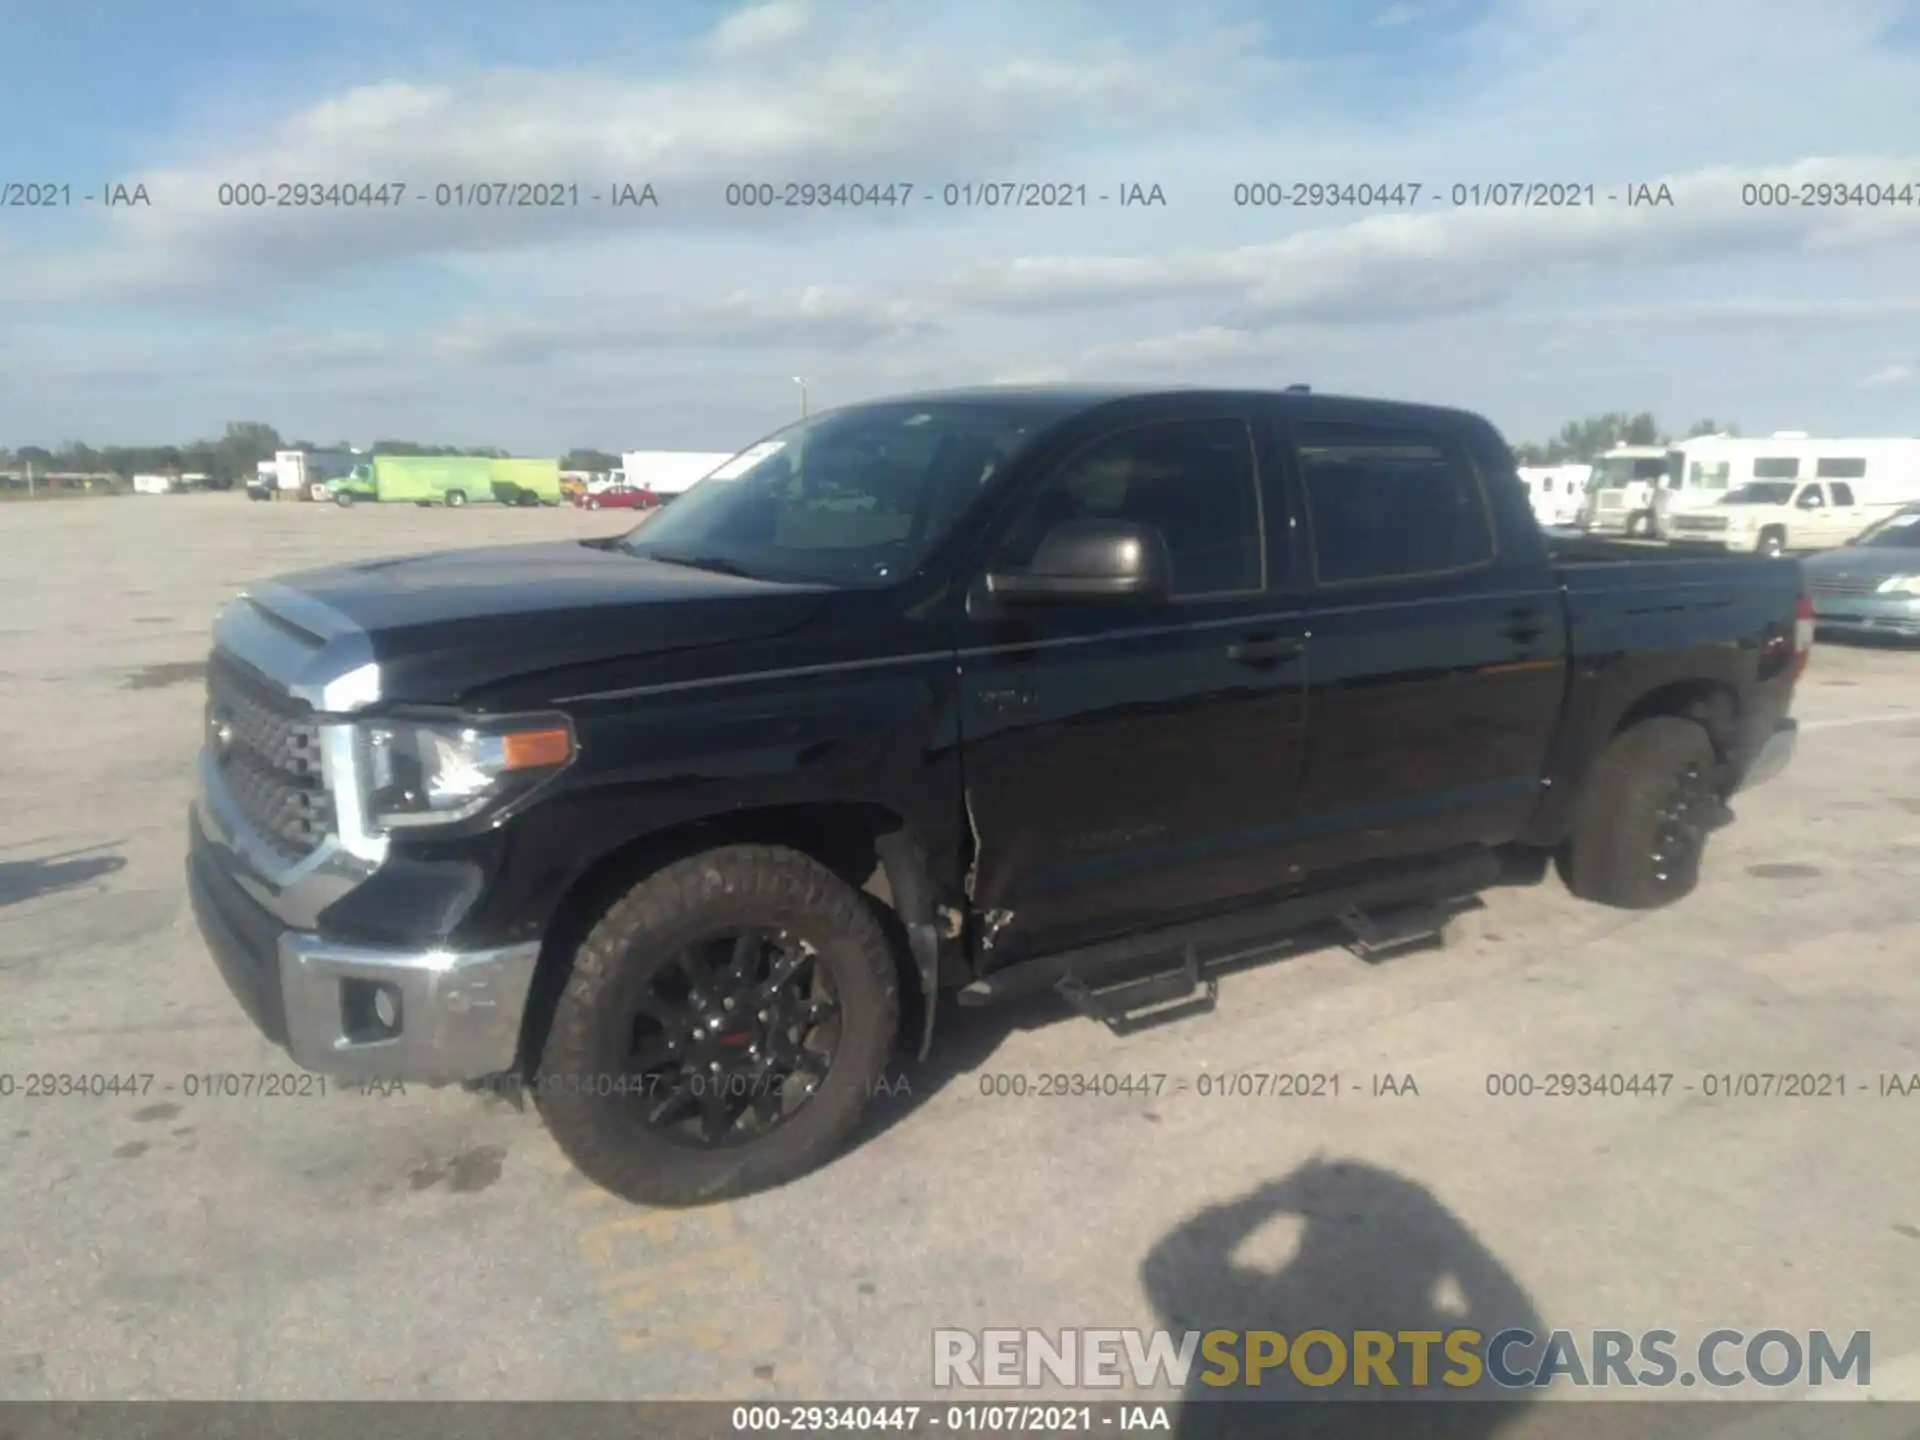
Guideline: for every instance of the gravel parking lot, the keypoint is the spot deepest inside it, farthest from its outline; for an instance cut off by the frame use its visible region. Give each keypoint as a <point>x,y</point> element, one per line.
<point>195,1245</point>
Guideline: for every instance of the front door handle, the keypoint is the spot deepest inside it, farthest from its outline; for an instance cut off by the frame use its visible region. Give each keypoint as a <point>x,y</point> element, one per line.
<point>1267,650</point>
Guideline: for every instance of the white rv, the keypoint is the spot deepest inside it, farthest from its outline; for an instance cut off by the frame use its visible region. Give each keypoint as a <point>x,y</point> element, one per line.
<point>1624,482</point>
<point>155,484</point>
<point>1555,491</point>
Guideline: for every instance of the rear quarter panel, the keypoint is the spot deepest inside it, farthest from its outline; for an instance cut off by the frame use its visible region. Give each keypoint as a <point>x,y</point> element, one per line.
<point>1711,632</point>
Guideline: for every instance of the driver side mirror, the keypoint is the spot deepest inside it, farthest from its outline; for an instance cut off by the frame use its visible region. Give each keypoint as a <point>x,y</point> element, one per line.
<point>1091,560</point>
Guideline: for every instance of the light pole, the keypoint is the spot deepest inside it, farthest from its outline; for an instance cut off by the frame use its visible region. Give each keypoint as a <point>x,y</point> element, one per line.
<point>803,395</point>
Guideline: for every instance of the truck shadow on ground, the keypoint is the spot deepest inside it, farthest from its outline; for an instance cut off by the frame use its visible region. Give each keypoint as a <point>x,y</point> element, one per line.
<point>965,1039</point>
<point>22,880</point>
<point>1373,1251</point>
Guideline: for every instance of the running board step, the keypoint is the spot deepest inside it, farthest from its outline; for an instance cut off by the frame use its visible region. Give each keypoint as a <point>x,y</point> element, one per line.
<point>1396,932</point>
<point>1150,1000</point>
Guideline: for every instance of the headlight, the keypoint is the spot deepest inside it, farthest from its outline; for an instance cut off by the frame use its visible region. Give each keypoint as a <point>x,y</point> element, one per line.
<point>420,774</point>
<point>1901,585</point>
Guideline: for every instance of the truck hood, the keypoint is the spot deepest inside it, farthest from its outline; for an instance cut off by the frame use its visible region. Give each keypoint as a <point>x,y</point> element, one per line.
<point>444,625</point>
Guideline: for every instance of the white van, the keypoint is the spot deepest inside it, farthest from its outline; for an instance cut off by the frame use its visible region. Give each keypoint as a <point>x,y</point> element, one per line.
<point>1879,474</point>
<point>1555,491</point>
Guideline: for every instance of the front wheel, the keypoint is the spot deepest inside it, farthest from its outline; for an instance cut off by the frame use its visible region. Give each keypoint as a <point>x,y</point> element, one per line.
<point>343,500</point>
<point>724,1027</point>
<point>1772,543</point>
<point>592,504</point>
<point>455,499</point>
<point>1641,829</point>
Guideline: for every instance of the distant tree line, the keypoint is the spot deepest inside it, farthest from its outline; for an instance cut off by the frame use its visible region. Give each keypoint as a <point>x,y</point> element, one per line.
<point>237,454</point>
<point>235,457</point>
<point>1581,441</point>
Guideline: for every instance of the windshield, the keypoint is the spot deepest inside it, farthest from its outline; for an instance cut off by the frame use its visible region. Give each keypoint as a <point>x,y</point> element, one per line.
<point>1900,531</point>
<point>1761,492</point>
<point>854,497</point>
<point>1613,470</point>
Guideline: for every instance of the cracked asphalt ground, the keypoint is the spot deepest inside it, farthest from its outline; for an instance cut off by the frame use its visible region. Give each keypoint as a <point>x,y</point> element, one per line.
<point>434,1245</point>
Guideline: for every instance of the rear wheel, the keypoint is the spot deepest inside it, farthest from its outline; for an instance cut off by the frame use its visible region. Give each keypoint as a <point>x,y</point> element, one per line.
<point>1772,542</point>
<point>1641,830</point>
<point>723,1030</point>
<point>592,503</point>
<point>344,500</point>
<point>455,499</point>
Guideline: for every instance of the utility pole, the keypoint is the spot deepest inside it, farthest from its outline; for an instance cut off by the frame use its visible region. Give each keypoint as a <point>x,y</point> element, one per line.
<point>803,395</point>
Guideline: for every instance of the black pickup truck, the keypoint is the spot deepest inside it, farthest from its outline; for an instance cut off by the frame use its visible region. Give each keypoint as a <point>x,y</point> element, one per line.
<point>681,832</point>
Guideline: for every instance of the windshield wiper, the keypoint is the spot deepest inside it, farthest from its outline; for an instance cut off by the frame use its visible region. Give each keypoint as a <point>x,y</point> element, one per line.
<point>715,563</point>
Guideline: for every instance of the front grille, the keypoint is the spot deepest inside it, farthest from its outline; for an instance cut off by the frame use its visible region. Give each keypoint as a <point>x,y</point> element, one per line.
<point>1844,584</point>
<point>266,745</point>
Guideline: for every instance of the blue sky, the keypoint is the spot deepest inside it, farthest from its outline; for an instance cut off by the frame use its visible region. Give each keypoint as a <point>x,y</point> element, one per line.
<point>682,325</point>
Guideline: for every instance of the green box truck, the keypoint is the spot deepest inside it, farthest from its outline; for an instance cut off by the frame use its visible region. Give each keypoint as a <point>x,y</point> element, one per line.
<point>417,479</point>
<point>526,482</point>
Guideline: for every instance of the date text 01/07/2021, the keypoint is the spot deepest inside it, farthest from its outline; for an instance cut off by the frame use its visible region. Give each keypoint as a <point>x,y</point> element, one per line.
<point>191,1085</point>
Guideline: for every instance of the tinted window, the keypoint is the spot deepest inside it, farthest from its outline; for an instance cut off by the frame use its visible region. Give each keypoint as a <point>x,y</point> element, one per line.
<point>1777,467</point>
<point>1193,480</point>
<point>1389,502</point>
<point>1840,467</point>
<point>1842,494</point>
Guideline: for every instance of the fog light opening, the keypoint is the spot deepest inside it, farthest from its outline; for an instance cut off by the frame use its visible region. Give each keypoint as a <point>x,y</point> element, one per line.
<point>370,1011</point>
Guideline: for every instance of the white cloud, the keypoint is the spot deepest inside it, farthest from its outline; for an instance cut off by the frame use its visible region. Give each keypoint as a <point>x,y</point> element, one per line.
<point>635,317</point>
<point>852,111</point>
<point>1396,267</point>
<point>1895,373</point>
<point>760,27</point>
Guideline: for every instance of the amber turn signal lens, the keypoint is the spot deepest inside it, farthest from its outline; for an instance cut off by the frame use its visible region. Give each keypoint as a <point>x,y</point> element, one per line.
<point>537,749</point>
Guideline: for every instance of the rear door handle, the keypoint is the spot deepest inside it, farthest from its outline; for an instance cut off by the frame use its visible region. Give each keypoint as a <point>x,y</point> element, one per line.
<point>1268,650</point>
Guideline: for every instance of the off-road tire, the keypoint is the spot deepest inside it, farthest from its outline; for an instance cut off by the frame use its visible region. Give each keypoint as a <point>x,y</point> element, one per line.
<point>743,885</point>
<point>1609,856</point>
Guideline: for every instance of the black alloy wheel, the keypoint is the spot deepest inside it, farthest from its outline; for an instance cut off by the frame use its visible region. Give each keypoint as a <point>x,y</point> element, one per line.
<point>731,1037</point>
<point>1680,834</point>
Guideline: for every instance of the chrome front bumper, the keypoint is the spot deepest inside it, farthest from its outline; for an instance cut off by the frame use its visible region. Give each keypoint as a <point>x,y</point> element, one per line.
<point>449,1014</point>
<point>360,1012</point>
<point>1776,753</point>
<point>456,1014</point>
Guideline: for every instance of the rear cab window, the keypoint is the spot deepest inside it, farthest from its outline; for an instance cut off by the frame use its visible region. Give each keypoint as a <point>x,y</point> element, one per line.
<point>1390,502</point>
